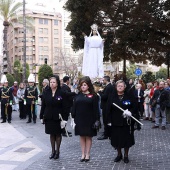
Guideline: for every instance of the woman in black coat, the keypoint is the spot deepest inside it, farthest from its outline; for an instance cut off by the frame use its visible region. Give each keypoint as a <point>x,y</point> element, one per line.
<point>52,106</point>
<point>86,114</point>
<point>122,126</point>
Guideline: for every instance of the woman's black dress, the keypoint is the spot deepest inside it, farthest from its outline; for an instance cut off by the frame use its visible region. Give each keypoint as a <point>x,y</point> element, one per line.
<point>122,130</point>
<point>85,112</point>
<point>50,110</point>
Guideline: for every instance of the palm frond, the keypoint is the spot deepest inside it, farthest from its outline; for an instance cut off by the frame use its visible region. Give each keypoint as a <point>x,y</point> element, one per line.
<point>14,9</point>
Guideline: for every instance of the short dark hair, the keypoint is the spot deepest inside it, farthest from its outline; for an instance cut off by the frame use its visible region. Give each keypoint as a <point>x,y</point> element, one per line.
<point>66,78</point>
<point>107,78</point>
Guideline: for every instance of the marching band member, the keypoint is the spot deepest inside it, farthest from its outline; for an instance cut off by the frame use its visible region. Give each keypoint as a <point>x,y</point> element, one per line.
<point>6,100</point>
<point>31,98</point>
<point>122,126</point>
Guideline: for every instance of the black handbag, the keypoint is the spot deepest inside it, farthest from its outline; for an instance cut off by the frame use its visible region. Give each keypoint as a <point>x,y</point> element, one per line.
<point>97,125</point>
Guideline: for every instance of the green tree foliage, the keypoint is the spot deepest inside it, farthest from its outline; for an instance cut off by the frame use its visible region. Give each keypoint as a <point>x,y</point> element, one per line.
<point>45,72</point>
<point>17,71</point>
<point>130,72</point>
<point>141,27</point>
<point>10,79</point>
<point>162,73</point>
<point>148,77</point>
<point>27,70</point>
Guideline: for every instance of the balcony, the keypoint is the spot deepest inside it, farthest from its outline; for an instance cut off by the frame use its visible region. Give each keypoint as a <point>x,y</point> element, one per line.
<point>5,63</point>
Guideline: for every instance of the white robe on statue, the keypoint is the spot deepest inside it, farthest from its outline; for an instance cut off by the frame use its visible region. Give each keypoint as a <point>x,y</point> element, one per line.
<point>93,57</point>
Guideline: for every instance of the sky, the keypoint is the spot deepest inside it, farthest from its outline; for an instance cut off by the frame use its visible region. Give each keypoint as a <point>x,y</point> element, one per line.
<point>50,5</point>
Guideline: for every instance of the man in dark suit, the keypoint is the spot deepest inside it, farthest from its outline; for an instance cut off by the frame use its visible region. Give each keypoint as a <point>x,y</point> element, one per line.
<point>45,84</point>
<point>139,96</point>
<point>104,96</point>
<point>67,100</point>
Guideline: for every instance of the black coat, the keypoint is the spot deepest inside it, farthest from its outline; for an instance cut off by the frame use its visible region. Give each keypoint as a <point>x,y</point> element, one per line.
<point>30,91</point>
<point>164,97</point>
<point>67,96</point>
<point>43,90</point>
<point>52,106</point>
<point>104,95</point>
<point>115,115</point>
<point>85,112</point>
<point>6,92</point>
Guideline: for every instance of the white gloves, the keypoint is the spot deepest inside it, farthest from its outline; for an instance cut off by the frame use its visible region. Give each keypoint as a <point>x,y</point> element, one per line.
<point>24,102</point>
<point>63,124</point>
<point>127,113</point>
<point>72,123</point>
<point>41,121</point>
<point>109,124</point>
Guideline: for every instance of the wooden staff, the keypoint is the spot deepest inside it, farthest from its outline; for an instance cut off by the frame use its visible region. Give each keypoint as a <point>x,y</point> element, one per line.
<point>130,116</point>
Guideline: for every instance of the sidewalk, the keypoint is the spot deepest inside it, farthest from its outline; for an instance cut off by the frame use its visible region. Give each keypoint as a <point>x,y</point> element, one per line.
<point>18,151</point>
<point>26,146</point>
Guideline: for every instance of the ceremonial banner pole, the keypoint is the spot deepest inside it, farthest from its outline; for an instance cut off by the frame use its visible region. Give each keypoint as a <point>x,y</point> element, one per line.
<point>130,116</point>
<point>65,126</point>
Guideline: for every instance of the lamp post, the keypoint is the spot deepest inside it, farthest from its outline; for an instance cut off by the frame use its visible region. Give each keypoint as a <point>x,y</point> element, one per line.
<point>24,41</point>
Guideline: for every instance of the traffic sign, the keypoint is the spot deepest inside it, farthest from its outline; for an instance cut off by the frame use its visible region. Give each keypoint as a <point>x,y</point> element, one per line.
<point>138,71</point>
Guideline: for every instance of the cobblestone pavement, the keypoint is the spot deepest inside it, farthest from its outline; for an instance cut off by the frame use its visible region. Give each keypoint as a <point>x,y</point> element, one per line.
<point>151,151</point>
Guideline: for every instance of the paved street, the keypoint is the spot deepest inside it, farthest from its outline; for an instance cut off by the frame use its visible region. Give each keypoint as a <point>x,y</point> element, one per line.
<point>26,146</point>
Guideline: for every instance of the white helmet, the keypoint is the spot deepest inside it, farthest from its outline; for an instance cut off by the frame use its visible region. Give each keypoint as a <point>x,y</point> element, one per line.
<point>31,78</point>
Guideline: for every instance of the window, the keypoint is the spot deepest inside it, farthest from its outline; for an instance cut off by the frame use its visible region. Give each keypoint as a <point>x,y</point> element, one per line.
<point>55,31</point>
<point>56,49</point>
<point>56,41</point>
<point>45,30</point>
<point>45,39</point>
<point>55,22</point>
<point>65,24</point>
<point>40,21</point>
<point>46,49</point>
<point>66,41</point>
<point>21,31</point>
<point>40,39</point>
<point>46,21</point>
<point>40,30</point>
<point>40,57</point>
<point>40,49</point>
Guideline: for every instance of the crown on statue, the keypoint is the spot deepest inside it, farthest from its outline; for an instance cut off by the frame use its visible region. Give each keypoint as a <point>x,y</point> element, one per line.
<point>94,27</point>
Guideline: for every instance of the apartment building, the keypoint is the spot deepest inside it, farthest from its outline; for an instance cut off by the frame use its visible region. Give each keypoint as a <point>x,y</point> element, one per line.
<point>43,40</point>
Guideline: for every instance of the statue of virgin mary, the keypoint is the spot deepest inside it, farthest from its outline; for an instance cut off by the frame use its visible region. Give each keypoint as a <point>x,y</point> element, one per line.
<point>93,54</point>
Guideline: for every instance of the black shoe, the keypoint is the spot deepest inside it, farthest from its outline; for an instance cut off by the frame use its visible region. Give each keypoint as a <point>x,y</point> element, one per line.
<point>69,133</point>
<point>102,138</point>
<point>118,158</point>
<point>34,121</point>
<point>126,159</point>
<point>52,155</point>
<point>82,159</point>
<point>29,121</point>
<point>87,160</point>
<point>9,121</point>
<point>57,155</point>
<point>3,121</point>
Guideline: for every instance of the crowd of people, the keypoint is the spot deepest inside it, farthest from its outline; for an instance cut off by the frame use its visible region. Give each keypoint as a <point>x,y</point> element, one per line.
<point>88,102</point>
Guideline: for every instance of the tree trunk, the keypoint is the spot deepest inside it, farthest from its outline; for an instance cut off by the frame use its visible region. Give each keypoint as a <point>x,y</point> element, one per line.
<point>5,51</point>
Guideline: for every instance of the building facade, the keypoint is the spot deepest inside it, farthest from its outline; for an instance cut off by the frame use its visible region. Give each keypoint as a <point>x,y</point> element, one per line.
<point>43,40</point>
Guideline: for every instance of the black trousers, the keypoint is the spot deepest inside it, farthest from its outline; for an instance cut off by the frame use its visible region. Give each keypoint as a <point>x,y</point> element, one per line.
<point>105,122</point>
<point>8,114</point>
<point>140,108</point>
<point>22,113</point>
<point>31,114</point>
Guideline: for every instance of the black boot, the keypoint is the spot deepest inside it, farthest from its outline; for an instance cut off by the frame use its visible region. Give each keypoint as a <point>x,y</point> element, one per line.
<point>52,155</point>
<point>118,158</point>
<point>57,155</point>
<point>29,121</point>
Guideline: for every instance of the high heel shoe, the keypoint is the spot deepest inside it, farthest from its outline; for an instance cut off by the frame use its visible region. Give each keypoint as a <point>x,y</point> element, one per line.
<point>57,155</point>
<point>52,155</point>
<point>126,159</point>
<point>118,158</point>
<point>87,160</point>
<point>82,159</point>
